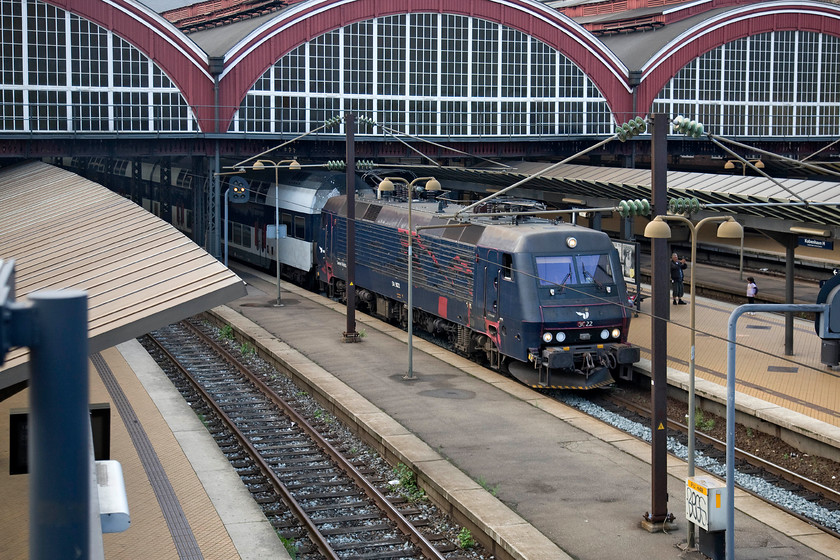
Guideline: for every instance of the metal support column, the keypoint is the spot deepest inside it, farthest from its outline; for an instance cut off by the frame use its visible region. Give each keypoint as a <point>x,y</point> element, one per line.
<point>790,249</point>
<point>659,333</point>
<point>596,221</point>
<point>214,219</point>
<point>350,334</point>
<point>59,428</point>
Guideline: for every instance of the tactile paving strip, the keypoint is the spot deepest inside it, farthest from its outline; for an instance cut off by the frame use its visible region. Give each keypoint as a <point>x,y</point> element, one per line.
<point>182,534</point>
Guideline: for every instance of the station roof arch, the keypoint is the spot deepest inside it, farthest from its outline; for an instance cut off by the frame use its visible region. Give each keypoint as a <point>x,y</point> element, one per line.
<point>695,36</point>
<point>140,273</point>
<point>276,35</point>
<point>184,62</point>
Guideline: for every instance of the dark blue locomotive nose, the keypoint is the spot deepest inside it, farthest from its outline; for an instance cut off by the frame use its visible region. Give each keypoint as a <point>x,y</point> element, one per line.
<point>581,317</point>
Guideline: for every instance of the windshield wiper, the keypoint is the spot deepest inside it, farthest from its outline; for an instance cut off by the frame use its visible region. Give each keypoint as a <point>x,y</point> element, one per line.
<point>587,275</point>
<point>563,283</point>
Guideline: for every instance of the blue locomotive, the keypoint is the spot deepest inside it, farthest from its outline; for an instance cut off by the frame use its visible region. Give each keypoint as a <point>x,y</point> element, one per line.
<point>544,301</point>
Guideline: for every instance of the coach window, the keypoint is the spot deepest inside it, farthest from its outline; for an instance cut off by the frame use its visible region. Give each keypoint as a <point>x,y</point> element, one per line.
<point>507,266</point>
<point>287,221</point>
<point>300,227</point>
<point>246,236</point>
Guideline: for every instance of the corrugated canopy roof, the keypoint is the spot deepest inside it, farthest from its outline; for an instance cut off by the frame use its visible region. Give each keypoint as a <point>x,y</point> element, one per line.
<point>613,183</point>
<point>140,273</point>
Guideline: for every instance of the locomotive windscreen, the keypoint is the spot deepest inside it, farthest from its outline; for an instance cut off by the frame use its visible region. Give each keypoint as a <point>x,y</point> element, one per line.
<point>555,270</point>
<point>578,269</point>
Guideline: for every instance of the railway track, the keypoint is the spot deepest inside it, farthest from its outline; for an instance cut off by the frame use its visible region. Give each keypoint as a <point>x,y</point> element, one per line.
<point>284,457</point>
<point>750,464</point>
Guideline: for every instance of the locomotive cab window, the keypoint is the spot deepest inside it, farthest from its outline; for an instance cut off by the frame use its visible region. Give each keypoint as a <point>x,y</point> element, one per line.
<point>594,269</point>
<point>574,270</point>
<point>507,266</point>
<point>555,271</point>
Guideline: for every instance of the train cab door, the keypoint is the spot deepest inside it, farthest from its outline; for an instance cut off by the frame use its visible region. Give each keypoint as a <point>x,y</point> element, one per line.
<point>490,298</point>
<point>491,276</point>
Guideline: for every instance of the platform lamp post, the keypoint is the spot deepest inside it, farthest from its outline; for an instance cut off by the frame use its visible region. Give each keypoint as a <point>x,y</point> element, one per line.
<point>659,229</point>
<point>730,164</point>
<point>259,165</point>
<point>387,185</point>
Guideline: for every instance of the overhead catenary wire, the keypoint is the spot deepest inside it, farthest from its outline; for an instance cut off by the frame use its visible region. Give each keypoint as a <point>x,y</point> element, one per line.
<point>535,175</point>
<point>393,133</point>
<point>799,162</point>
<point>753,166</point>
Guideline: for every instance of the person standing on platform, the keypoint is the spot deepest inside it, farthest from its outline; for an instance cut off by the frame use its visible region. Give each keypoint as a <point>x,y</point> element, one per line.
<point>752,290</point>
<point>678,278</point>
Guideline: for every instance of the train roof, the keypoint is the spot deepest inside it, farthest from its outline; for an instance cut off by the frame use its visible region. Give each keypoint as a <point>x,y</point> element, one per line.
<point>307,191</point>
<point>503,233</point>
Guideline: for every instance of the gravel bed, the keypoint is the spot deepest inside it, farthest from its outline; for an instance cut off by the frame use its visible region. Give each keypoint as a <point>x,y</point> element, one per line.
<point>827,517</point>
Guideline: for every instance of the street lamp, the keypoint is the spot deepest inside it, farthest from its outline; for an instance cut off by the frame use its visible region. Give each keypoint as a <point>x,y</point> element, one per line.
<point>261,164</point>
<point>730,164</point>
<point>659,229</point>
<point>387,185</point>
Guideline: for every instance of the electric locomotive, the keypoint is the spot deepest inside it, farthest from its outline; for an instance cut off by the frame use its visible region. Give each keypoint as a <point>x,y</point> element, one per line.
<point>541,300</point>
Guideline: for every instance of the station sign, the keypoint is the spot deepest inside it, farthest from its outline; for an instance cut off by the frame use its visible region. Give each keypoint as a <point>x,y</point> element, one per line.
<point>705,503</point>
<point>815,243</point>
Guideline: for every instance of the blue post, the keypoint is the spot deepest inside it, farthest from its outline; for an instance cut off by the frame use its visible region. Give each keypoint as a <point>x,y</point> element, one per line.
<point>730,404</point>
<point>226,225</point>
<point>59,427</point>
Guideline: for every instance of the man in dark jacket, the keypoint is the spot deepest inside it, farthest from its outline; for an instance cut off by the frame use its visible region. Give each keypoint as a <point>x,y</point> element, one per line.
<point>678,278</point>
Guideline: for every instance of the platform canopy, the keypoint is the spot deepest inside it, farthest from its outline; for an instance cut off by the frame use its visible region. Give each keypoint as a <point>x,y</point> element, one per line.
<point>774,204</point>
<point>140,273</point>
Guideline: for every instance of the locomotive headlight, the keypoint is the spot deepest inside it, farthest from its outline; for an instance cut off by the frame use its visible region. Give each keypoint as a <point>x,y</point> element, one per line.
<point>547,337</point>
<point>561,336</point>
<point>616,333</point>
<point>605,334</point>
<point>571,242</point>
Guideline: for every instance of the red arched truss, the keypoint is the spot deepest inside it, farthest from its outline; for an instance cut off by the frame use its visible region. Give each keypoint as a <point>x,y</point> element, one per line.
<point>735,24</point>
<point>303,22</point>
<point>166,46</point>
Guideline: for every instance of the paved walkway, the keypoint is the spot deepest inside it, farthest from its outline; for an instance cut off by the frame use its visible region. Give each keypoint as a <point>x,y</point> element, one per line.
<point>799,382</point>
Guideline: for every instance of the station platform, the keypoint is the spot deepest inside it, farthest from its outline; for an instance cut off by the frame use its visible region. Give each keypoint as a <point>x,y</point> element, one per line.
<point>545,479</point>
<point>185,500</point>
<point>798,383</point>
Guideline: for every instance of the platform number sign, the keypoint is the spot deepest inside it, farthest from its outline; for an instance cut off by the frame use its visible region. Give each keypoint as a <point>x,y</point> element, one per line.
<point>704,506</point>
